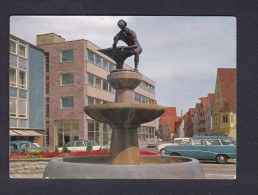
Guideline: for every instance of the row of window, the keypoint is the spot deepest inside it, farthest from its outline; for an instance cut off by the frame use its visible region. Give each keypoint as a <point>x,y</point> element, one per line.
<point>17,48</point>
<point>92,101</point>
<point>99,61</point>
<point>145,132</point>
<point>14,74</point>
<point>224,119</point>
<point>147,86</point>
<point>142,99</point>
<point>99,83</point>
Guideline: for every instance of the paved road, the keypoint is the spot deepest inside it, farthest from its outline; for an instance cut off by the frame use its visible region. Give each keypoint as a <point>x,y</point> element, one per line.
<point>212,169</point>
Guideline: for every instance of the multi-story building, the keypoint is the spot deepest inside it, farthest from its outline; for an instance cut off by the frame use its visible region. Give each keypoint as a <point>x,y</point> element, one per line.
<point>196,119</point>
<point>209,112</point>
<point>26,91</point>
<point>180,126</point>
<point>189,122</point>
<point>224,108</point>
<point>167,129</point>
<point>76,75</point>
<point>202,113</point>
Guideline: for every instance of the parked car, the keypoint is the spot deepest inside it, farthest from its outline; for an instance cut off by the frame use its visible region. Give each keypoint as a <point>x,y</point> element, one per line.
<point>17,146</point>
<point>175,141</point>
<point>81,145</point>
<point>217,148</point>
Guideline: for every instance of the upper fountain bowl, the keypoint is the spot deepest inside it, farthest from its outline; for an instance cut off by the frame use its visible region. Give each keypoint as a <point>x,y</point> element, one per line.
<point>132,114</point>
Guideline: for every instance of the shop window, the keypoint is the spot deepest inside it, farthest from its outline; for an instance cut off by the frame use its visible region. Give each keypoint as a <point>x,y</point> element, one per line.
<point>67,102</point>
<point>67,79</point>
<point>67,55</point>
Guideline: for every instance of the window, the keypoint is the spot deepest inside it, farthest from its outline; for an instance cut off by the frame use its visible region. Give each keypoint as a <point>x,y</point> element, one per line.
<point>94,131</point>
<point>98,82</point>
<point>198,142</point>
<point>67,102</point>
<point>22,51</point>
<point>227,142</point>
<point>12,77</point>
<point>91,79</point>
<point>105,64</point>
<point>225,118</point>
<point>90,56</point>
<point>97,101</point>
<point>12,46</point>
<point>22,79</point>
<point>213,142</point>
<point>67,56</point>
<point>12,107</point>
<point>105,85</point>
<point>105,102</point>
<point>22,108</point>
<point>111,67</point>
<point>90,101</point>
<point>67,79</point>
<point>98,60</point>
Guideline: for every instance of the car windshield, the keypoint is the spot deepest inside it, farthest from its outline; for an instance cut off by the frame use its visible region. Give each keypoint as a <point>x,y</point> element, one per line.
<point>227,142</point>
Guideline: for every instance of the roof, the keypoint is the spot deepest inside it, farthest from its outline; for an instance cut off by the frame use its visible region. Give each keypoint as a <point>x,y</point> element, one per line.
<point>14,37</point>
<point>211,137</point>
<point>225,108</point>
<point>169,116</point>
<point>211,97</point>
<point>227,78</point>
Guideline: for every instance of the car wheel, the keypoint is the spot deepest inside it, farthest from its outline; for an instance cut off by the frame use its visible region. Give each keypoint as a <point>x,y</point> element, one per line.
<point>162,152</point>
<point>221,159</point>
<point>175,154</point>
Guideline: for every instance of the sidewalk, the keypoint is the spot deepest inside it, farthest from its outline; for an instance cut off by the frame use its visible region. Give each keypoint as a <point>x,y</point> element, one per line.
<point>26,176</point>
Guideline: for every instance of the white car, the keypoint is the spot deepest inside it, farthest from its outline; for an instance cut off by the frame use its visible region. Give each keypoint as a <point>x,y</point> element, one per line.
<point>79,145</point>
<point>175,141</point>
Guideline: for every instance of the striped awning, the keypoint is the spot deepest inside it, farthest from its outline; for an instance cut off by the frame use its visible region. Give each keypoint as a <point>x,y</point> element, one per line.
<point>24,133</point>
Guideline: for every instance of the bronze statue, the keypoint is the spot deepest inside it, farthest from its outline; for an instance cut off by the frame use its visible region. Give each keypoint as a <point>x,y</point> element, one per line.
<point>129,37</point>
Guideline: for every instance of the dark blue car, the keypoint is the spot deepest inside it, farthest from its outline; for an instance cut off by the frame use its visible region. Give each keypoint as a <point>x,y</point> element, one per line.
<point>217,148</point>
<point>17,146</point>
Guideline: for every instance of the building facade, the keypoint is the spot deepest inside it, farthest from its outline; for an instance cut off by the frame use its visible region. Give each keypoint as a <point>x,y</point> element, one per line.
<point>189,122</point>
<point>209,112</point>
<point>196,119</point>
<point>224,108</point>
<point>202,113</point>
<point>76,76</point>
<point>26,91</point>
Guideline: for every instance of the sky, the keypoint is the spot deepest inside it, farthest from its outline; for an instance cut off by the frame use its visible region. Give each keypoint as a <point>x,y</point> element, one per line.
<point>180,53</point>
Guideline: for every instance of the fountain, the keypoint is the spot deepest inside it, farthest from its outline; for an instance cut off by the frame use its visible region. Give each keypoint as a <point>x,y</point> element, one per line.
<point>124,116</point>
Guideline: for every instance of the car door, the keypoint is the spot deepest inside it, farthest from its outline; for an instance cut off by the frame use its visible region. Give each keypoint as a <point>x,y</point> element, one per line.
<point>197,148</point>
<point>79,146</point>
<point>214,147</point>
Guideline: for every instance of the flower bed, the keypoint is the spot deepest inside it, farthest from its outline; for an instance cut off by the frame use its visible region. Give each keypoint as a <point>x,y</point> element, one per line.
<point>62,154</point>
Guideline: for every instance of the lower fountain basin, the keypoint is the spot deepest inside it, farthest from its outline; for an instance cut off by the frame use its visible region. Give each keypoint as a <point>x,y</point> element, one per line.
<point>97,167</point>
<point>126,113</point>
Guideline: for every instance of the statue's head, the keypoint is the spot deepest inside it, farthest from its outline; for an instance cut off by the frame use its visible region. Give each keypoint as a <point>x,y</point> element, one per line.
<point>121,24</point>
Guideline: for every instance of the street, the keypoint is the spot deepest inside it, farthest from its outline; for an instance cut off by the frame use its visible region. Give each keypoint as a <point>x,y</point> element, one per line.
<point>212,169</point>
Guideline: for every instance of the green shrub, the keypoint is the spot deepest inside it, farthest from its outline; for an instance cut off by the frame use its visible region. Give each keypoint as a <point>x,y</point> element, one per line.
<point>65,149</point>
<point>56,149</point>
<point>36,152</point>
<point>22,151</point>
<point>89,147</point>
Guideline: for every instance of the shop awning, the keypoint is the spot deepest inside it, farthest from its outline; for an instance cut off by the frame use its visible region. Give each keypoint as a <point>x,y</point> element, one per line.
<point>24,133</point>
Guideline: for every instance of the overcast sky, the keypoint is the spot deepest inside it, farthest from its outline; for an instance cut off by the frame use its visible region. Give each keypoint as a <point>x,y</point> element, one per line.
<point>181,54</point>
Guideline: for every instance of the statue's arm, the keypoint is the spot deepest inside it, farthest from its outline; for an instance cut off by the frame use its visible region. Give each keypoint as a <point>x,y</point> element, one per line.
<point>116,38</point>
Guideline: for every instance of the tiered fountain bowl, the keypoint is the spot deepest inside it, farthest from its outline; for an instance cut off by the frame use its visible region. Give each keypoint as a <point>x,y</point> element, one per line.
<point>124,162</point>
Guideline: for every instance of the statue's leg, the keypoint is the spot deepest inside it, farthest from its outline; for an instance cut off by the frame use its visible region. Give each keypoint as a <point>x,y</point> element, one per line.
<point>136,61</point>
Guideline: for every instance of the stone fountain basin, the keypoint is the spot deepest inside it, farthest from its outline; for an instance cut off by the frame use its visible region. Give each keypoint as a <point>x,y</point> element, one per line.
<point>97,167</point>
<point>126,113</point>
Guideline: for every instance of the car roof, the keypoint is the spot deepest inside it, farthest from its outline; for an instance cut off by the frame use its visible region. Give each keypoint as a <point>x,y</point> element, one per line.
<point>211,137</point>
